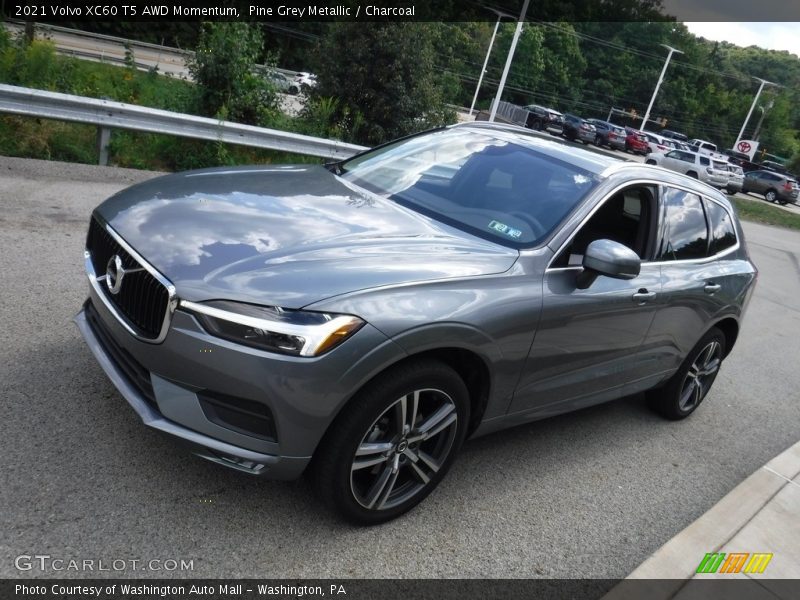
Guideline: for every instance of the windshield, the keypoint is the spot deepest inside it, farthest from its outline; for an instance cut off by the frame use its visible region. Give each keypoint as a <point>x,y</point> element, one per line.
<point>491,187</point>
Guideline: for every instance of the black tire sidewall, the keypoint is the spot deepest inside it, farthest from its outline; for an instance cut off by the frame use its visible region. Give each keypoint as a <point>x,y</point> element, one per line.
<point>333,459</point>
<point>666,400</point>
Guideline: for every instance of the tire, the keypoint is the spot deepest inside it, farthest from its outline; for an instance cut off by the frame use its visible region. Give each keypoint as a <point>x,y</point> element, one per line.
<point>650,161</point>
<point>688,387</point>
<point>771,196</point>
<point>692,174</point>
<point>598,141</point>
<point>393,471</point>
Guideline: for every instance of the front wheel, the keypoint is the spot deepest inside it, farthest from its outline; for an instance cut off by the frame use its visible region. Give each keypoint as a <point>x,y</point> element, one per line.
<point>650,161</point>
<point>393,443</point>
<point>688,387</point>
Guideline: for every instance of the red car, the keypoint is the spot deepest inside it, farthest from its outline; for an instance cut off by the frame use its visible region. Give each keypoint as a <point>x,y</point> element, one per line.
<point>636,141</point>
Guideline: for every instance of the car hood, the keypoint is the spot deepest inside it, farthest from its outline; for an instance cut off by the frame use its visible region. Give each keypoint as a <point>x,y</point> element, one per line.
<point>287,236</point>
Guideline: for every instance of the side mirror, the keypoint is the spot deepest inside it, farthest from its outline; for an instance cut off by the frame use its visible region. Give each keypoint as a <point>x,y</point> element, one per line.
<point>609,258</point>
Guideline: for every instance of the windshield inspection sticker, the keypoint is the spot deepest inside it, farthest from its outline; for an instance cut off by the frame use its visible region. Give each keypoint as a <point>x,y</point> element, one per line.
<point>503,228</point>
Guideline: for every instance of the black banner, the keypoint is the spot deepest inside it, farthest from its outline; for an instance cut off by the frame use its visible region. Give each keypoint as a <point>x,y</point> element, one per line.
<point>743,588</point>
<point>56,11</point>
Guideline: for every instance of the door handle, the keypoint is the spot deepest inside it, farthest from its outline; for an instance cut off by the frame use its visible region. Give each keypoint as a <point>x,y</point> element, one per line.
<point>711,288</point>
<point>643,296</point>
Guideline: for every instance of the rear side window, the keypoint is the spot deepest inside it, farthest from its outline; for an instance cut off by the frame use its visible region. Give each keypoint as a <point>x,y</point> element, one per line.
<point>723,234</point>
<point>685,231</point>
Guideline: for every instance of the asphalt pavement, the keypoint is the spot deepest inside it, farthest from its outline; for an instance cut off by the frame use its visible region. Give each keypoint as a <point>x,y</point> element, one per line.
<point>589,494</point>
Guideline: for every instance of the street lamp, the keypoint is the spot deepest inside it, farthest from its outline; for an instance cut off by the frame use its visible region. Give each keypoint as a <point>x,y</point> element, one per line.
<point>660,80</point>
<point>509,58</point>
<point>500,15</point>
<point>764,110</point>
<point>752,106</point>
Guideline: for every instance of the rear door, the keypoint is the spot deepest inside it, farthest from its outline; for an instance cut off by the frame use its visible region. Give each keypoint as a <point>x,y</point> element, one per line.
<point>700,273</point>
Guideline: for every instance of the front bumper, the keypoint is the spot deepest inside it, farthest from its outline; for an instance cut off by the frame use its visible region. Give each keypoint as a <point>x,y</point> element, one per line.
<point>169,380</point>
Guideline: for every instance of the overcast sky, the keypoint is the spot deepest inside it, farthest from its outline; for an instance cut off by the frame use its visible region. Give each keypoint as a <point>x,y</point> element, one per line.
<point>773,36</point>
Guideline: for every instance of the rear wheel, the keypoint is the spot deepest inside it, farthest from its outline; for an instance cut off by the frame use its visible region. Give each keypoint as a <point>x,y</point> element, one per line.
<point>688,387</point>
<point>771,196</point>
<point>598,141</point>
<point>393,443</point>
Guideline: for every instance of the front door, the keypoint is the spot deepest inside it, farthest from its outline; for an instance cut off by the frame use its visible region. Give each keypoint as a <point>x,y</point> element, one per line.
<point>586,346</point>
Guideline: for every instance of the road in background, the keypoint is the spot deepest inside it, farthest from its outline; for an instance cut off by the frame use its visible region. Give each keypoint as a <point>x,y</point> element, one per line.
<point>589,494</point>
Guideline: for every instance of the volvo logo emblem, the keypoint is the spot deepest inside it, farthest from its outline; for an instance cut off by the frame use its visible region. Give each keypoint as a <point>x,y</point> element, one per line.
<point>115,273</point>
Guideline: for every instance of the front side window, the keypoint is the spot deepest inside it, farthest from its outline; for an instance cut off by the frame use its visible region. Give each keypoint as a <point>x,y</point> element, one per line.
<point>626,218</point>
<point>704,161</point>
<point>493,187</point>
<point>685,235</point>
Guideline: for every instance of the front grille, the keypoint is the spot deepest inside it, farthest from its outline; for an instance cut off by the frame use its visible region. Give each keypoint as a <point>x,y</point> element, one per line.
<point>142,299</point>
<point>134,372</point>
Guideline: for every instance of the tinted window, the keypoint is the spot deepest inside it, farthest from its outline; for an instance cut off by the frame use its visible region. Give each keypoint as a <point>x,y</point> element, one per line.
<point>685,232</point>
<point>704,161</point>
<point>723,234</point>
<point>490,186</point>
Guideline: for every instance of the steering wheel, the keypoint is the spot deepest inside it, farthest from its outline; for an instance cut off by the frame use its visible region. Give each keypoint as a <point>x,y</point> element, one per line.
<point>532,222</point>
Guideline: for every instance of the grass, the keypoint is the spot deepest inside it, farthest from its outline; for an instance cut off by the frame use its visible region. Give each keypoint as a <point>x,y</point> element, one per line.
<point>762,212</point>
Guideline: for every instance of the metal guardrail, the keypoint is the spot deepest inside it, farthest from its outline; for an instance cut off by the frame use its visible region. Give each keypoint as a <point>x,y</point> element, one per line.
<point>108,115</point>
<point>179,53</point>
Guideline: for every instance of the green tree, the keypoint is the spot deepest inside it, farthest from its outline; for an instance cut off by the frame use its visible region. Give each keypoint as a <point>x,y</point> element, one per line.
<point>384,72</point>
<point>224,68</point>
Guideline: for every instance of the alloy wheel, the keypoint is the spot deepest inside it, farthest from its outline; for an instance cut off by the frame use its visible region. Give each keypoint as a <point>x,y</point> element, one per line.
<point>700,376</point>
<point>403,449</point>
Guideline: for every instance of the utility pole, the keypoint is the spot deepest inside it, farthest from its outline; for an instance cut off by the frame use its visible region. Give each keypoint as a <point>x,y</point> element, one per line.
<point>500,15</point>
<point>660,80</point>
<point>509,59</point>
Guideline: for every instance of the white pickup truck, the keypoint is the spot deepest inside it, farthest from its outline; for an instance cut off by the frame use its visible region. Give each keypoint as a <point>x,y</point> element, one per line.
<point>707,148</point>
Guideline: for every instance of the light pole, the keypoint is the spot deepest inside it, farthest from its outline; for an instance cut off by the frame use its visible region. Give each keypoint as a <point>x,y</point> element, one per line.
<point>660,80</point>
<point>764,110</point>
<point>500,15</point>
<point>752,106</point>
<point>509,58</point>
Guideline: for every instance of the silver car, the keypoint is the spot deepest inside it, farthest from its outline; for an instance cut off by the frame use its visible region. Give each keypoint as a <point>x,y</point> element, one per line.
<point>358,321</point>
<point>696,165</point>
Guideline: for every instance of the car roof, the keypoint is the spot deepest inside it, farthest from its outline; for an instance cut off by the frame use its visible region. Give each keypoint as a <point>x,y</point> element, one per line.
<point>587,159</point>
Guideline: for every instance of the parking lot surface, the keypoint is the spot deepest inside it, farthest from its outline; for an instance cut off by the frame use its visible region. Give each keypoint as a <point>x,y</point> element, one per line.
<point>589,494</point>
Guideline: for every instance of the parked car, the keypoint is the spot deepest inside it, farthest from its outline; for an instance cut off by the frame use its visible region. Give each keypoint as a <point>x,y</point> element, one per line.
<point>655,143</point>
<point>282,83</point>
<point>775,187</point>
<point>608,134</point>
<point>771,165</point>
<point>636,141</point>
<point>541,118</point>
<point>674,135</point>
<point>735,178</point>
<point>304,79</point>
<point>363,318</point>
<point>578,128</point>
<point>693,164</point>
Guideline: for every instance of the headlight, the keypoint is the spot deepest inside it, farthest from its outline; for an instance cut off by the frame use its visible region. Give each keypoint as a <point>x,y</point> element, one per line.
<point>295,332</point>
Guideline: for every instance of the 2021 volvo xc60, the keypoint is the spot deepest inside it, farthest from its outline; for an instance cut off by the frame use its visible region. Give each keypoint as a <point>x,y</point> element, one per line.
<point>359,320</point>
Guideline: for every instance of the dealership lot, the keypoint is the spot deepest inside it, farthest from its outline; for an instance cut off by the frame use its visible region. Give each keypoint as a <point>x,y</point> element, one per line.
<point>589,494</point>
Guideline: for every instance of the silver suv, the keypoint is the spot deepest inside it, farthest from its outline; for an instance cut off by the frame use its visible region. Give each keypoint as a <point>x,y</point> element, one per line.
<point>700,166</point>
<point>360,320</point>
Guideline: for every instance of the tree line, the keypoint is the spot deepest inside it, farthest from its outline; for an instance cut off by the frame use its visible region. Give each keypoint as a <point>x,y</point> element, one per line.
<point>381,80</point>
